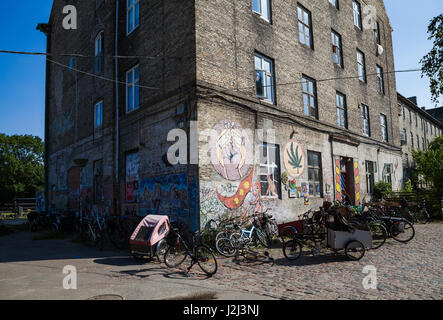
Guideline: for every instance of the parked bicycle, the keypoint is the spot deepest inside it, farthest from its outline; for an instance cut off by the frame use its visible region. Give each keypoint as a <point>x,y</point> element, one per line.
<point>199,253</point>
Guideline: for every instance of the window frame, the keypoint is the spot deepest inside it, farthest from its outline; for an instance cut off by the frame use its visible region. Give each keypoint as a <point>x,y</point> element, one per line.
<point>380,80</point>
<point>335,4</point>
<point>99,104</point>
<point>311,167</point>
<point>305,26</point>
<point>274,170</point>
<point>98,52</point>
<point>336,36</point>
<point>357,14</point>
<point>342,109</point>
<point>370,176</point>
<point>266,75</point>
<point>361,65</point>
<point>384,127</point>
<point>261,13</point>
<point>367,120</point>
<point>310,96</point>
<point>129,9</point>
<point>134,84</point>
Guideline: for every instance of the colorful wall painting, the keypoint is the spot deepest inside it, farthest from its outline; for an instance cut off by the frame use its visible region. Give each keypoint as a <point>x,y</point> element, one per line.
<point>337,180</point>
<point>231,153</point>
<point>357,184</point>
<point>238,199</point>
<point>166,195</point>
<point>294,158</point>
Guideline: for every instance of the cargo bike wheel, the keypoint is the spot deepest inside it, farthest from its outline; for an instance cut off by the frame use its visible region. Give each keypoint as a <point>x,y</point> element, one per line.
<point>292,249</point>
<point>355,250</point>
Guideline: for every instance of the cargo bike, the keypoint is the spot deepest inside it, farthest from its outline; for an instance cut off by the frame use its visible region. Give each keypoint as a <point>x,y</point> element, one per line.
<point>330,230</point>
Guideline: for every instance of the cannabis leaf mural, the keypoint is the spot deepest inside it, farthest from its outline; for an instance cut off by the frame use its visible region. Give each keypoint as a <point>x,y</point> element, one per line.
<point>295,160</point>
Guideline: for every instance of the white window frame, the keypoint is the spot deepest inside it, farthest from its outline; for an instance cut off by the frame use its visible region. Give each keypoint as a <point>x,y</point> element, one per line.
<point>337,48</point>
<point>98,114</point>
<point>263,10</point>
<point>305,35</point>
<point>361,66</point>
<point>334,3</point>
<point>380,81</point>
<point>309,93</point>
<point>131,11</point>
<point>270,166</point>
<point>267,77</point>
<point>366,126</point>
<point>356,8</point>
<point>384,127</point>
<point>134,85</point>
<point>342,118</point>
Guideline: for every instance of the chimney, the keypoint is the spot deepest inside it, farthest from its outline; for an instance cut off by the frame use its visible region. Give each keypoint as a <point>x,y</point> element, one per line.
<point>413,100</point>
<point>423,108</point>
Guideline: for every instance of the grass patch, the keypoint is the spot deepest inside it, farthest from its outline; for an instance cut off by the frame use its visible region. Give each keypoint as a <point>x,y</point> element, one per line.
<point>52,236</point>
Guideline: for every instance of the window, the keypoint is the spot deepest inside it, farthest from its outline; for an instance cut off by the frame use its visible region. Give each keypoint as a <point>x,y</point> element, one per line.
<point>416,120</point>
<point>365,120</point>
<point>98,181</point>
<point>132,15</point>
<point>340,100</point>
<point>361,66</point>
<point>315,174</point>
<point>305,27</point>
<point>418,143</point>
<point>404,113</point>
<point>337,54</point>
<point>357,14</point>
<point>380,83</point>
<point>370,174</point>
<point>377,39</point>
<point>387,173</point>
<point>403,138</point>
<point>263,8</point>
<point>423,144</point>
<point>132,89</point>
<point>412,140</point>
<point>334,3</point>
<point>264,78</point>
<point>410,117</point>
<point>98,115</point>
<point>384,128</point>
<point>98,54</point>
<point>406,165</point>
<point>270,176</point>
<point>309,97</point>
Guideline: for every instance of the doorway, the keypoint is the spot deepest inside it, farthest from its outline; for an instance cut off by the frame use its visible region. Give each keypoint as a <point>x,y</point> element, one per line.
<point>347,179</point>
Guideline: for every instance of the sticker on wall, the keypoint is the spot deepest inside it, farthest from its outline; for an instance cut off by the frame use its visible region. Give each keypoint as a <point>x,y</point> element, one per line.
<point>285,179</point>
<point>292,185</point>
<point>294,158</point>
<point>238,199</point>
<point>231,153</point>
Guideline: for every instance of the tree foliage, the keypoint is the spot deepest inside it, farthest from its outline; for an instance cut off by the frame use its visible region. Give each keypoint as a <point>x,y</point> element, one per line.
<point>432,63</point>
<point>21,166</point>
<point>429,164</point>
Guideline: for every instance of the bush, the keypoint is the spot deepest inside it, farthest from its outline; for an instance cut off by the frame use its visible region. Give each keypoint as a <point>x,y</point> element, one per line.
<point>382,190</point>
<point>408,186</point>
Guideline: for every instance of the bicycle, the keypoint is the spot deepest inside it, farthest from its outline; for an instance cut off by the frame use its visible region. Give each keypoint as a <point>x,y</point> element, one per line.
<point>179,250</point>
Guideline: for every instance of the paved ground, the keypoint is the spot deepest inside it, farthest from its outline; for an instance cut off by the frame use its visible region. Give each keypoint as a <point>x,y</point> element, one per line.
<point>32,269</point>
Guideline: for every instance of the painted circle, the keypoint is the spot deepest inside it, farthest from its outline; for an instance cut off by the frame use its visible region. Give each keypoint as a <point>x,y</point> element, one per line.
<point>294,158</point>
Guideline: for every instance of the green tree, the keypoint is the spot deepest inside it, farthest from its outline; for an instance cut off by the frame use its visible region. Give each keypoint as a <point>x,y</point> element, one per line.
<point>432,63</point>
<point>429,164</point>
<point>21,166</point>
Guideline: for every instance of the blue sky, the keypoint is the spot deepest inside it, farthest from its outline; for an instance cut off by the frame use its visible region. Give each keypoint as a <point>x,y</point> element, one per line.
<point>22,78</point>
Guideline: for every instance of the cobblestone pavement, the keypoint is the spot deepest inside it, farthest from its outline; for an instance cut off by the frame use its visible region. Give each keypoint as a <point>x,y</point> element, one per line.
<point>404,271</point>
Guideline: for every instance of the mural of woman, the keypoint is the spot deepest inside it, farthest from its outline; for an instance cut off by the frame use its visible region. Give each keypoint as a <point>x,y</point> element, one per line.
<point>156,197</point>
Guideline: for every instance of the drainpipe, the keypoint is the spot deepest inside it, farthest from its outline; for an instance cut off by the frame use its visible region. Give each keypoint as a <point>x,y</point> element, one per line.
<point>46,29</point>
<point>117,118</point>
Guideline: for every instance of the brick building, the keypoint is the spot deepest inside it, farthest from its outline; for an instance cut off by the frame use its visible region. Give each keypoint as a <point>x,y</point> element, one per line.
<point>295,102</point>
<point>418,128</point>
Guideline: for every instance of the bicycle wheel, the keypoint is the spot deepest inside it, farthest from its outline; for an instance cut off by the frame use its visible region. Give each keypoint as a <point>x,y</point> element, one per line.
<point>225,248</point>
<point>379,234</point>
<point>292,249</point>
<point>162,246</point>
<point>402,231</point>
<point>422,217</point>
<point>175,255</point>
<point>355,250</point>
<point>263,238</point>
<point>206,260</point>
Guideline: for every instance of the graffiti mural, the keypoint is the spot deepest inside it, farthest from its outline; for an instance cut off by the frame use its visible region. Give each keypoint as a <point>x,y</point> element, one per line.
<point>337,180</point>
<point>164,195</point>
<point>357,184</point>
<point>230,154</point>
<point>238,199</point>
